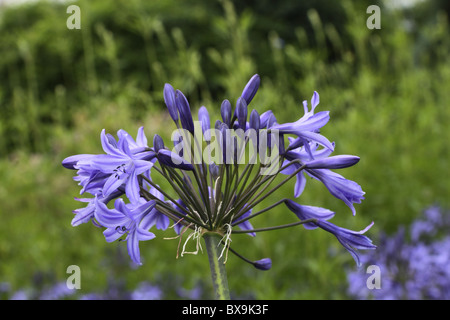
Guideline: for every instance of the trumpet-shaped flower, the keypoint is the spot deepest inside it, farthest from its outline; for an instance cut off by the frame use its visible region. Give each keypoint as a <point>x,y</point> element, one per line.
<point>121,163</point>
<point>307,127</point>
<point>125,220</point>
<point>317,163</point>
<point>350,240</point>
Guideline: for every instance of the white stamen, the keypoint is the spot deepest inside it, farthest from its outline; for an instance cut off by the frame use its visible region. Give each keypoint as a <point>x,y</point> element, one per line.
<point>196,235</point>
<point>226,242</point>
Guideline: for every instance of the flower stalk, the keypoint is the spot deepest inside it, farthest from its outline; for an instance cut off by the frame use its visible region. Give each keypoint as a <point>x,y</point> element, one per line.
<point>217,266</point>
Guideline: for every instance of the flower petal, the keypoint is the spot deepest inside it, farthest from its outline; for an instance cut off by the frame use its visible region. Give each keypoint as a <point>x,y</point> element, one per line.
<point>70,162</point>
<point>347,190</point>
<point>141,139</point>
<point>251,88</point>
<point>316,137</point>
<point>111,234</point>
<point>132,189</point>
<point>309,212</point>
<point>107,144</point>
<point>105,163</point>
<point>333,162</point>
<point>133,247</point>
<point>350,240</point>
<point>144,235</point>
<point>113,183</point>
<point>299,184</point>
<point>173,160</point>
<point>263,264</point>
<point>110,218</point>
<point>314,101</point>
<point>169,99</point>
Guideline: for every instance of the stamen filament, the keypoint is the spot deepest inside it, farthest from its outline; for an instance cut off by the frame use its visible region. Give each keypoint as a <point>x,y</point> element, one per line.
<point>276,227</point>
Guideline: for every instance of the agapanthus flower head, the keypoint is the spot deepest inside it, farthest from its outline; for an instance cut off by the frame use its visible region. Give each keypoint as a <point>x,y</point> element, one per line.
<point>216,178</point>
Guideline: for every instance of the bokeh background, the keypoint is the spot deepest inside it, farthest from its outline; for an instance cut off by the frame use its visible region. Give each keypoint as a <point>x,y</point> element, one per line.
<point>387,91</point>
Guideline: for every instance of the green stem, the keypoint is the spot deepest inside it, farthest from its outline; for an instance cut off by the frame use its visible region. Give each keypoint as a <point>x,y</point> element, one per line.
<point>217,266</point>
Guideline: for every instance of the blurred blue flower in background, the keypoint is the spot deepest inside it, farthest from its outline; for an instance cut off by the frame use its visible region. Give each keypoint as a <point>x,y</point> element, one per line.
<point>413,263</point>
<point>115,290</point>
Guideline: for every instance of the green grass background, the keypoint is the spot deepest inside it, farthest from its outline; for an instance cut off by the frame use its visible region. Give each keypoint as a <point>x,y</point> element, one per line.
<point>387,92</point>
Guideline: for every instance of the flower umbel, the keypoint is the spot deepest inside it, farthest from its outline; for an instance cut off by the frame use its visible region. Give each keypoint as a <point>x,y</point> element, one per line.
<point>215,178</point>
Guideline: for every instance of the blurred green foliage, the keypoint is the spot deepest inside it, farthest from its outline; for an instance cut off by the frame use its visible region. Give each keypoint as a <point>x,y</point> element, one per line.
<point>387,91</point>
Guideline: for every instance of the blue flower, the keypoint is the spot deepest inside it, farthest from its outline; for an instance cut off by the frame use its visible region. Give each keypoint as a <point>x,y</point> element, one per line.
<point>121,163</point>
<point>241,113</point>
<point>125,220</point>
<point>155,217</point>
<point>347,190</point>
<point>86,214</point>
<point>225,111</point>
<point>203,117</point>
<point>307,127</point>
<point>245,225</point>
<point>263,264</point>
<point>309,212</point>
<point>317,163</point>
<point>171,159</point>
<point>250,89</point>
<point>351,240</point>
<point>413,261</point>
<point>169,99</point>
<point>185,111</point>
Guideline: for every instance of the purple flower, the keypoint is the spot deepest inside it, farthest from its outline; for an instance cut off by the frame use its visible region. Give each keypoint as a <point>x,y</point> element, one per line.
<point>255,120</point>
<point>203,117</point>
<point>173,160</point>
<point>177,225</point>
<point>70,162</point>
<point>146,291</point>
<point>246,225</point>
<point>91,180</point>
<point>213,193</point>
<point>121,163</point>
<point>318,163</point>
<point>185,111</point>
<point>155,217</point>
<point>86,214</point>
<point>158,143</point>
<point>265,117</point>
<point>414,262</point>
<point>125,220</point>
<point>138,147</point>
<point>333,162</point>
<point>169,99</point>
<point>309,212</point>
<point>56,292</point>
<point>193,294</point>
<point>241,112</point>
<point>225,111</point>
<point>348,191</point>
<point>306,127</point>
<point>251,88</point>
<point>263,264</point>
<point>351,240</point>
